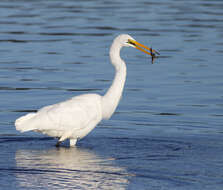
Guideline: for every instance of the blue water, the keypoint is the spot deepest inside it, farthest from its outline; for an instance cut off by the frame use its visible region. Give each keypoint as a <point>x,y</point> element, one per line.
<point>167,131</point>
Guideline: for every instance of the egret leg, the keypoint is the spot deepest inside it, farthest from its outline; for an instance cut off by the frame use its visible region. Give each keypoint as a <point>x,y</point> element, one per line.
<point>73,142</point>
<point>58,143</point>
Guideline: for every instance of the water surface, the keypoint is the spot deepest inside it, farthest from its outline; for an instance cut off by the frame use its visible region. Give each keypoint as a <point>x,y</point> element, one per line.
<point>167,130</point>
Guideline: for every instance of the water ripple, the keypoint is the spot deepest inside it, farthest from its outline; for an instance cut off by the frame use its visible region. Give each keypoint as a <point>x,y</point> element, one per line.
<point>51,50</point>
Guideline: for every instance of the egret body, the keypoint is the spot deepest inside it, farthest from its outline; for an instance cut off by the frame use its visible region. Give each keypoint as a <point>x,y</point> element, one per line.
<point>74,118</point>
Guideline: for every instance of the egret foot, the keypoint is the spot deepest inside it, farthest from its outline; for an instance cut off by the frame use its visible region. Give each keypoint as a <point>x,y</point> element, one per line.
<point>73,142</point>
<point>58,143</point>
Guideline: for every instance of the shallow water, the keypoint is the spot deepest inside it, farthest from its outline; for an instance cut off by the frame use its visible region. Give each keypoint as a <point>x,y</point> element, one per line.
<point>167,130</point>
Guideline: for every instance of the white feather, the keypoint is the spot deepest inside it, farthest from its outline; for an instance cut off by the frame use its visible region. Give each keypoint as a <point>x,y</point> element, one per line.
<point>73,118</point>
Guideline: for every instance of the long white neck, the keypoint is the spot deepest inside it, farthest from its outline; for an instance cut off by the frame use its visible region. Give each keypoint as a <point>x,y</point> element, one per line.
<point>112,97</point>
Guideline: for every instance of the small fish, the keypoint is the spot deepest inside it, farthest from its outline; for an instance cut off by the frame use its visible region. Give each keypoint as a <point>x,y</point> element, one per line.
<point>153,54</point>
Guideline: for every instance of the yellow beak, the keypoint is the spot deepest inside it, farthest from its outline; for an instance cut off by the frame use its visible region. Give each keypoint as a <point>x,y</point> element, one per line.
<point>143,48</point>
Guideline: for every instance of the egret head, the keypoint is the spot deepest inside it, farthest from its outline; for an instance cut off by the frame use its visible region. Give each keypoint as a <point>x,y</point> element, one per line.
<point>128,41</point>
<point>123,39</point>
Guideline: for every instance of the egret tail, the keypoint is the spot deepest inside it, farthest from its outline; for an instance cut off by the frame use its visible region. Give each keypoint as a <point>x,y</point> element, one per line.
<point>22,124</point>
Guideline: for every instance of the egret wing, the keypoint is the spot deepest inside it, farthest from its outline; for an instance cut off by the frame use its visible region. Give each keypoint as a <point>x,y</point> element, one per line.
<point>73,114</point>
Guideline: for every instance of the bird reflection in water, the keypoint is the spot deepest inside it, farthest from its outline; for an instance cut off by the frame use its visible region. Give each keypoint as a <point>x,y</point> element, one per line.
<point>65,168</point>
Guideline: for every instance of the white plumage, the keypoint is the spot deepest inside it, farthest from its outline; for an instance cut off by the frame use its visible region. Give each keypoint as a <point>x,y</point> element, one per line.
<point>75,118</point>
<point>72,119</point>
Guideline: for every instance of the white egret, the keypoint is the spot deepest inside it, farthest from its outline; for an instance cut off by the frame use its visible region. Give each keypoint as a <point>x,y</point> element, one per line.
<point>74,118</point>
